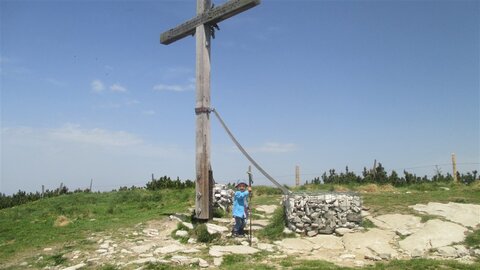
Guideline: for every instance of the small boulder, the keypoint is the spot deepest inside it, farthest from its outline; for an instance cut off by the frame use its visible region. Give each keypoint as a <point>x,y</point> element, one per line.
<point>447,252</point>
<point>202,263</point>
<point>342,231</point>
<point>213,228</point>
<point>217,261</point>
<point>181,233</point>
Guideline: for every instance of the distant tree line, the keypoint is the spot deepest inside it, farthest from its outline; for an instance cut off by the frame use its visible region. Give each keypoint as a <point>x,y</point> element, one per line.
<point>165,182</point>
<point>22,197</point>
<point>380,176</point>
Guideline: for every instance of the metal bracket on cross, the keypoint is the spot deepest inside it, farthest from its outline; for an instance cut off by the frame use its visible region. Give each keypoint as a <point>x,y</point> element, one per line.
<point>203,110</point>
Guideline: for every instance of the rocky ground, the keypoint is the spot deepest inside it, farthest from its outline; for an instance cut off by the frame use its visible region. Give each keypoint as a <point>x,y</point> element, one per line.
<point>395,236</point>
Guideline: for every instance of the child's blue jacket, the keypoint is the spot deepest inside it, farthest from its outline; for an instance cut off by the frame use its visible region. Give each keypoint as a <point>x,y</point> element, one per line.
<point>239,203</point>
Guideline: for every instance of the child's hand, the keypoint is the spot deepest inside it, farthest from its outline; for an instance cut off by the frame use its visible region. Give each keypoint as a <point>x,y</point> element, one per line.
<point>249,189</point>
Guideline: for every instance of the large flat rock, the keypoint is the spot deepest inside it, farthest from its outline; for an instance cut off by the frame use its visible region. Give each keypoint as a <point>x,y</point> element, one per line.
<point>434,234</point>
<point>142,248</point>
<point>295,245</point>
<point>169,249</point>
<point>218,251</point>
<point>465,214</point>
<point>213,228</point>
<point>224,220</point>
<point>375,242</point>
<point>397,222</point>
<point>326,242</point>
<point>260,222</point>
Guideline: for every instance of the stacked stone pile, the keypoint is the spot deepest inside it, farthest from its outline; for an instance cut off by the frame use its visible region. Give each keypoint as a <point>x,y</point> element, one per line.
<point>323,213</point>
<point>222,196</point>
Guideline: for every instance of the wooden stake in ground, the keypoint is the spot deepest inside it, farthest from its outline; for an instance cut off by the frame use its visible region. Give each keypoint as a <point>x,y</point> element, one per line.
<point>297,175</point>
<point>203,27</point>
<point>454,167</point>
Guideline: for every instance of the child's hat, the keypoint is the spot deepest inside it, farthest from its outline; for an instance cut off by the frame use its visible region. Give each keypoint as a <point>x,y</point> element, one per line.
<point>240,182</point>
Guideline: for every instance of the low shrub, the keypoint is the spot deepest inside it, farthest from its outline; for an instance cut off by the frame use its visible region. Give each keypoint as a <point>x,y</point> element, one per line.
<point>202,234</point>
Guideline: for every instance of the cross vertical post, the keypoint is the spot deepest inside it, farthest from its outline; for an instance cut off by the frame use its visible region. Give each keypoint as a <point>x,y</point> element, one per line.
<point>203,208</point>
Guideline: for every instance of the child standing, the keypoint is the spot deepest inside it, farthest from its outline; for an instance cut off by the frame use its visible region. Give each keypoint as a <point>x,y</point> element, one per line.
<point>240,208</point>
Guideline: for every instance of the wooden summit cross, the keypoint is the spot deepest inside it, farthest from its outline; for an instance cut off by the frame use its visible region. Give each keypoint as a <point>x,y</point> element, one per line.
<point>203,26</point>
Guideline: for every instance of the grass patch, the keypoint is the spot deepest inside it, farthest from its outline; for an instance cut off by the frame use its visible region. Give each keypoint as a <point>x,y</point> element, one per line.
<point>181,227</point>
<point>287,262</point>
<point>219,213</point>
<point>427,264</point>
<point>414,264</point>
<point>232,261</point>
<point>266,190</point>
<point>109,267</point>
<point>29,227</point>
<point>473,239</point>
<point>274,230</point>
<point>162,266</point>
<point>202,234</point>
<point>315,264</point>
<point>57,259</point>
<point>266,199</point>
<point>51,260</point>
<point>367,223</point>
<point>398,201</point>
<point>426,217</point>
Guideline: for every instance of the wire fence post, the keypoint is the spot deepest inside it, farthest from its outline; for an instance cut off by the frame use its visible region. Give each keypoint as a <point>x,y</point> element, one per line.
<point>454,167</point>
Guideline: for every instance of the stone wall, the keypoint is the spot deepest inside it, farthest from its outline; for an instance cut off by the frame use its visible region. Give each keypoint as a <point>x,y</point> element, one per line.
<point>222,196</point>
<point>312,214</point>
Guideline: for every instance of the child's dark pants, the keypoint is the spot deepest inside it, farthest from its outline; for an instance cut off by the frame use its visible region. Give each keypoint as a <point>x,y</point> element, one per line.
<point>239,225</point>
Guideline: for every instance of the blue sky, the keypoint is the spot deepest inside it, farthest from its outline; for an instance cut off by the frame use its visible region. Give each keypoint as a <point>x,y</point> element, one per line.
<point>87,90</point>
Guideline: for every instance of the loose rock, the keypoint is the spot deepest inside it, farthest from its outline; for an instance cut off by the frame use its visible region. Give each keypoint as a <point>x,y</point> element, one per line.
<point>181,233</point>
<point>169,249</point>
<point>220,250</point>
<point>75,267</point>
<point>217,261</point>
<point>213,228</point>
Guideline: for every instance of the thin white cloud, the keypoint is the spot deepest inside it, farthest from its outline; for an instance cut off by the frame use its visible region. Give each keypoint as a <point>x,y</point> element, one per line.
<point>118,88</point>
<point>189,86</point>
<point>55,82</point>
<point>97,86</point>
<point>131,102</point>
<point>274,147</point>
<point>148,112</point>
<point>175,73</point>
<point>96,136</point>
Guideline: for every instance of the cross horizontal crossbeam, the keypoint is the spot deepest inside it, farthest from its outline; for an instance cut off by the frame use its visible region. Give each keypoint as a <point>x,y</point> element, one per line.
<point>212,16</point>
